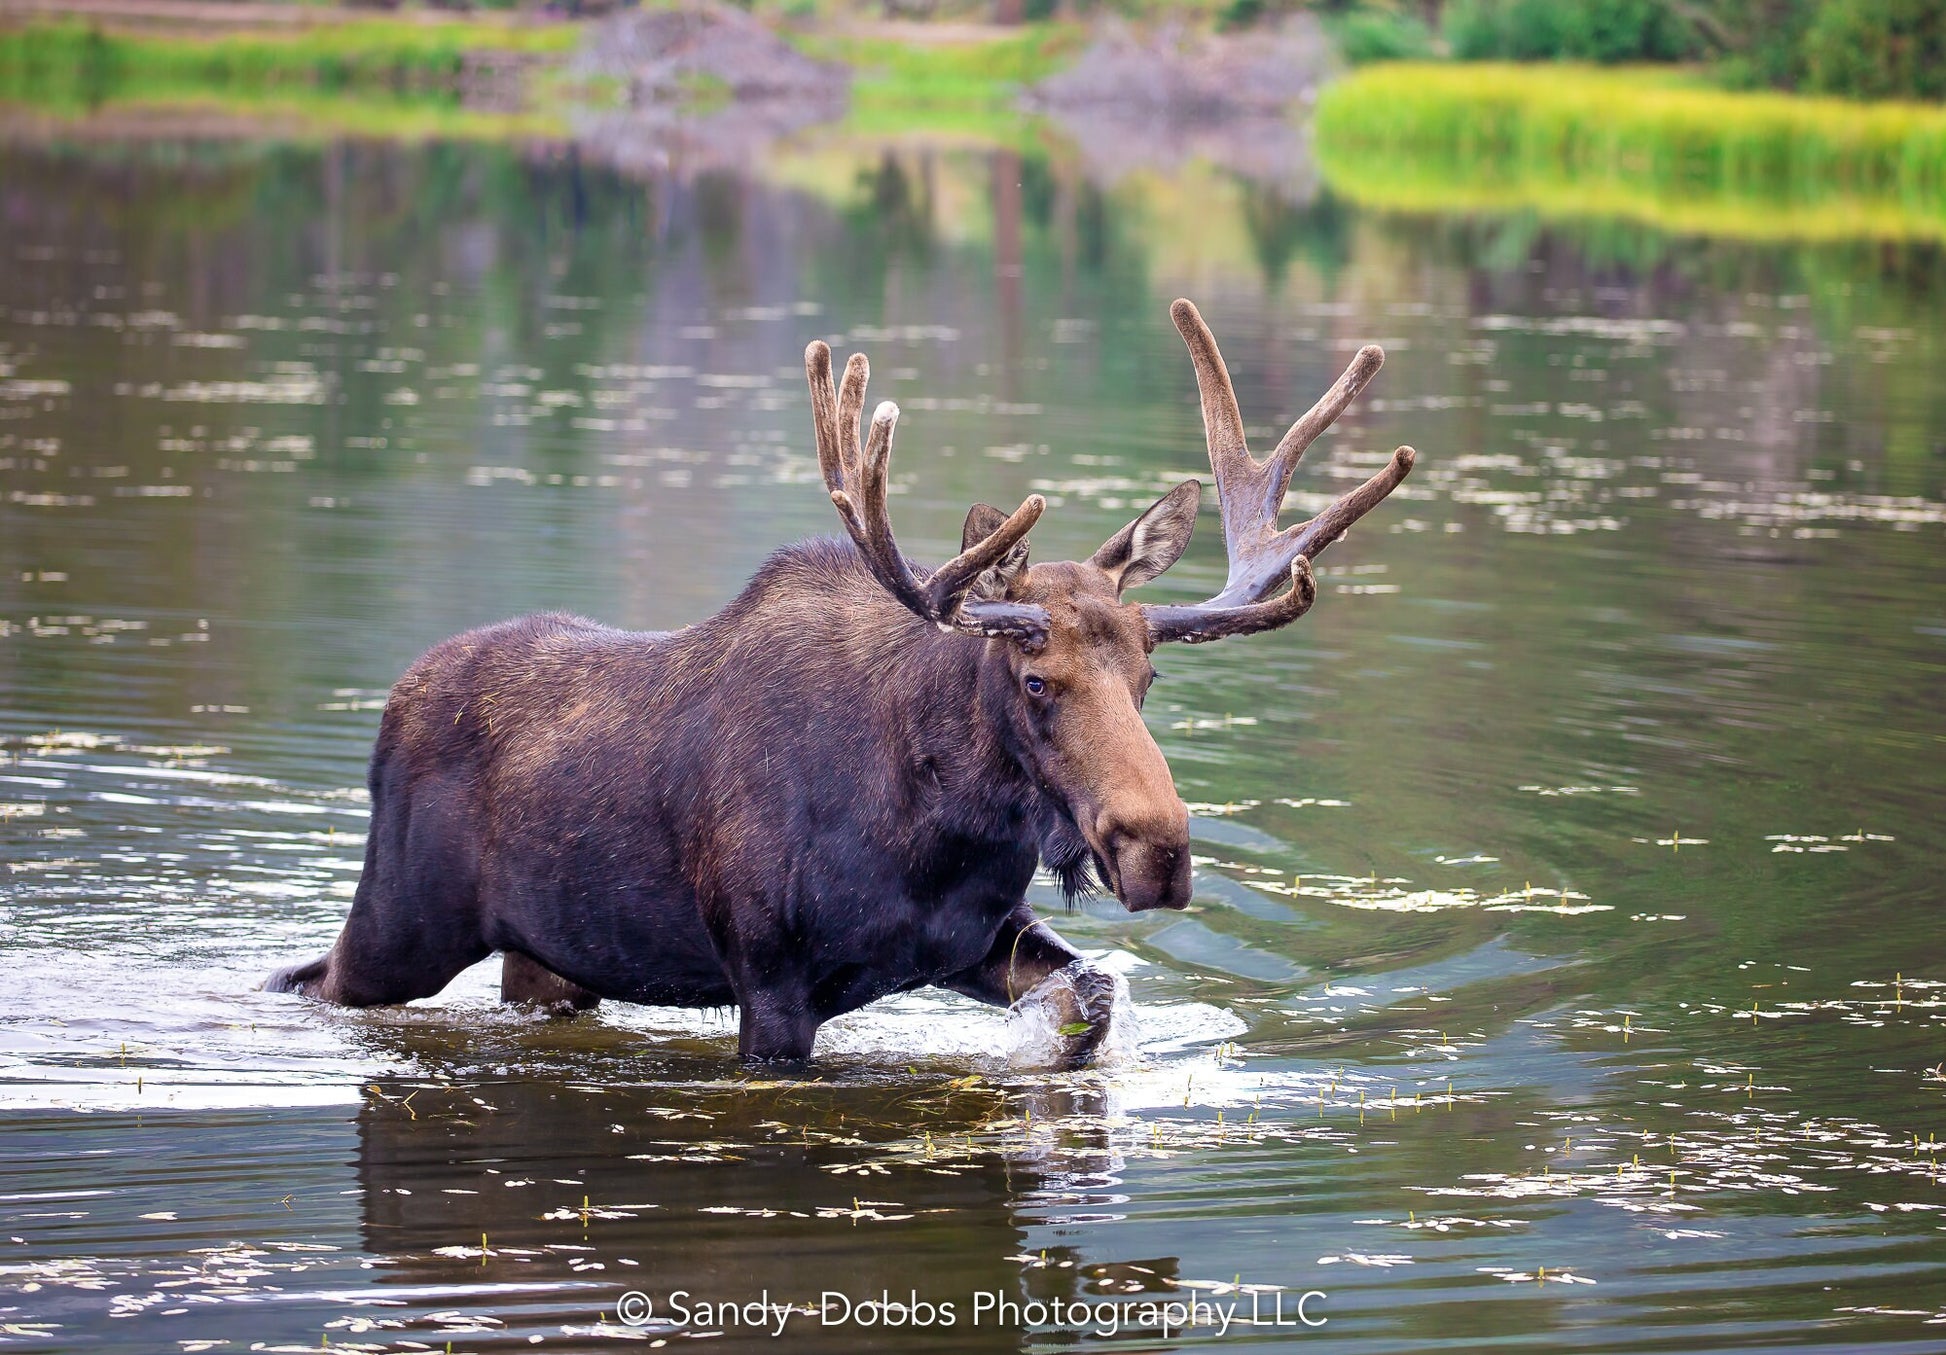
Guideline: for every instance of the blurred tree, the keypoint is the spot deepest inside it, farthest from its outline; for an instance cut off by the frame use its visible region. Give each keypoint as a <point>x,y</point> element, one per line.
<point>1861,49</point>
<point>1365,35</point>
<point>1878,49</point>
<point>1761,41</point>
<point>1607,31</point>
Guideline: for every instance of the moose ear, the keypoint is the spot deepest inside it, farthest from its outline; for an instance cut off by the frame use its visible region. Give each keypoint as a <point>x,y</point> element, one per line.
<point>1154,541</point>
<point>981,522</point>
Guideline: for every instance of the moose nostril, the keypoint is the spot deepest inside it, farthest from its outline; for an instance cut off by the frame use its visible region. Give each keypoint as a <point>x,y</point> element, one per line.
<point>1159,828</point>
<point>1111,832</point>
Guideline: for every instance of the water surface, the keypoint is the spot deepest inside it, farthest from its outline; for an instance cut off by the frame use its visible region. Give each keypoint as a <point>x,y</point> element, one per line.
<point>1564,970</point>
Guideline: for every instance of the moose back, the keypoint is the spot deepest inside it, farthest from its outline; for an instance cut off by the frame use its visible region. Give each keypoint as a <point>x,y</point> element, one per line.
<point>839,786</point>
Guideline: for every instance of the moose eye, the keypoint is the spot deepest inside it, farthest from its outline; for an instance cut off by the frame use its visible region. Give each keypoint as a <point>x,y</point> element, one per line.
<point>1034,685</point>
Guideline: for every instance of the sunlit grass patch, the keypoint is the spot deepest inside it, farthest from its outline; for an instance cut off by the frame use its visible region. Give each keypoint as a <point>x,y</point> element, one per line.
<point>71,62</point>
<point>1656,146</point>
<point>982,74</point>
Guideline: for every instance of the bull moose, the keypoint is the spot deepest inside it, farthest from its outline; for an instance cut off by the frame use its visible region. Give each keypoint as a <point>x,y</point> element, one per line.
<point>840,785</point>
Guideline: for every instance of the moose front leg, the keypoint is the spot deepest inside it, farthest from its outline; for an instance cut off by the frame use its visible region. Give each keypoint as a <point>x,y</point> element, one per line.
<point>1026,955</point>
<point>775,1027</point>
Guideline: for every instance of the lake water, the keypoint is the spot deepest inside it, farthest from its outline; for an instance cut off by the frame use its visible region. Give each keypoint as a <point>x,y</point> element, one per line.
<point>1565,970</point>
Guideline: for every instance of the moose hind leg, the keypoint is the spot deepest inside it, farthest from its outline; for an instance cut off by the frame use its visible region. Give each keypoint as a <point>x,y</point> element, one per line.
<point>415,920</point>
<point>524,979</point>
<point>298,978</point>
<point>1029,958</point>
<point>370,968</point>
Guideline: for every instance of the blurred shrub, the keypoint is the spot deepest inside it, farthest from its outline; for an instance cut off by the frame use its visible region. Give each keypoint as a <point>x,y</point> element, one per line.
<point>1363,36</point>
<point>1877,49</point>
<point>1761,41</point>
<point>1241,14</point>
<point>1606,31</point>
<point>1862,49</point>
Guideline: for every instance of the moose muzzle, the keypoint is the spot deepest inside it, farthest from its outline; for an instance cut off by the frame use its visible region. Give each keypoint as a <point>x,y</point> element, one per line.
<point>1147,857</point>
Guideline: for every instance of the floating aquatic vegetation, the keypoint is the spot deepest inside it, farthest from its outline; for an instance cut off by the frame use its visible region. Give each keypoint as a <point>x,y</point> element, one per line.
<point>1440,1223</point>
<point>1539,1275</point>
<point>1675,841</point>
<point>1194,724</point>
<point>290,388</point>
<point>1818,842</point>
<point>1582,790</point>
<point>1372,894</point>
<point>1224,810</point>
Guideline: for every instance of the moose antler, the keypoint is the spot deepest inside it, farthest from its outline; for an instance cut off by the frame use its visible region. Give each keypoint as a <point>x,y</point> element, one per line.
<point>1250,493</point>
<point>857,482</point>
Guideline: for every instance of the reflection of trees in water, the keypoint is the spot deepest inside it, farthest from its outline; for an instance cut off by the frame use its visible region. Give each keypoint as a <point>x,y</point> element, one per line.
<point>1092,231</point>
<point>719,225</point>
<point>1519,263</point>
<point>1282,231</point>
<point>1876,287</point>
<point>1041,189</point>
<point>893,210</point>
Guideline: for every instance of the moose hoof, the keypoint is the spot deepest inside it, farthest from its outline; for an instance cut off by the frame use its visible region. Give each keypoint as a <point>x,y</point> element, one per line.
<point>1071,1012</point>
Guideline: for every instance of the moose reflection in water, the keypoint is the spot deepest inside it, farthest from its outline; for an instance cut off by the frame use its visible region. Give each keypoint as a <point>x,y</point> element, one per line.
<point>753,1193</point>
<point>838,787</point>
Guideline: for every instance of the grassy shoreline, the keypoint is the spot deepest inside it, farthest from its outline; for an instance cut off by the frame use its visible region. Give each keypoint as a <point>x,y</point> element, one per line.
<point>360,75</point>
<point>963,88</point>
<point>974,73</point>
<point>67,64</point>
<point>1657,146</point>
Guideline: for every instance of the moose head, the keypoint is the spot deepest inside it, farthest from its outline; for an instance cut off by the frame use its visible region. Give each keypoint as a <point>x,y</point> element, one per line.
<point>1066,665</point>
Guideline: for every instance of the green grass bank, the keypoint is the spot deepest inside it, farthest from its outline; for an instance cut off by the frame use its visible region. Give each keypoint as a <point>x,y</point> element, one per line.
<point>947,77</point>
<point>69,64</point>
<point>367,75</point>
<point>1659,146</point>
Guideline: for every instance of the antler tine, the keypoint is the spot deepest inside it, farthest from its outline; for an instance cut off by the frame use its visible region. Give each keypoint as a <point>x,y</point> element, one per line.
<point>1251,493</point>
<point>1308,538</point>
<point>1348,387</point>
<point>951,580</point>
<point>880,546</point>
<point>858,484</point>
<point>824,412</point>
<point>851,404</point>
<point>834,414</point>
<point>1199,625</point>
<point>1229,451</point>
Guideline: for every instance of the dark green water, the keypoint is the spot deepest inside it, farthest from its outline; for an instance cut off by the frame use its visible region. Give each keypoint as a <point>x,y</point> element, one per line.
<point>1565,970</point>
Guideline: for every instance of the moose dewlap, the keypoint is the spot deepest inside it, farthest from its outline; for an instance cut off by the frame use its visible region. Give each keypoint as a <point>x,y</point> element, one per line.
<point>840,785</point>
